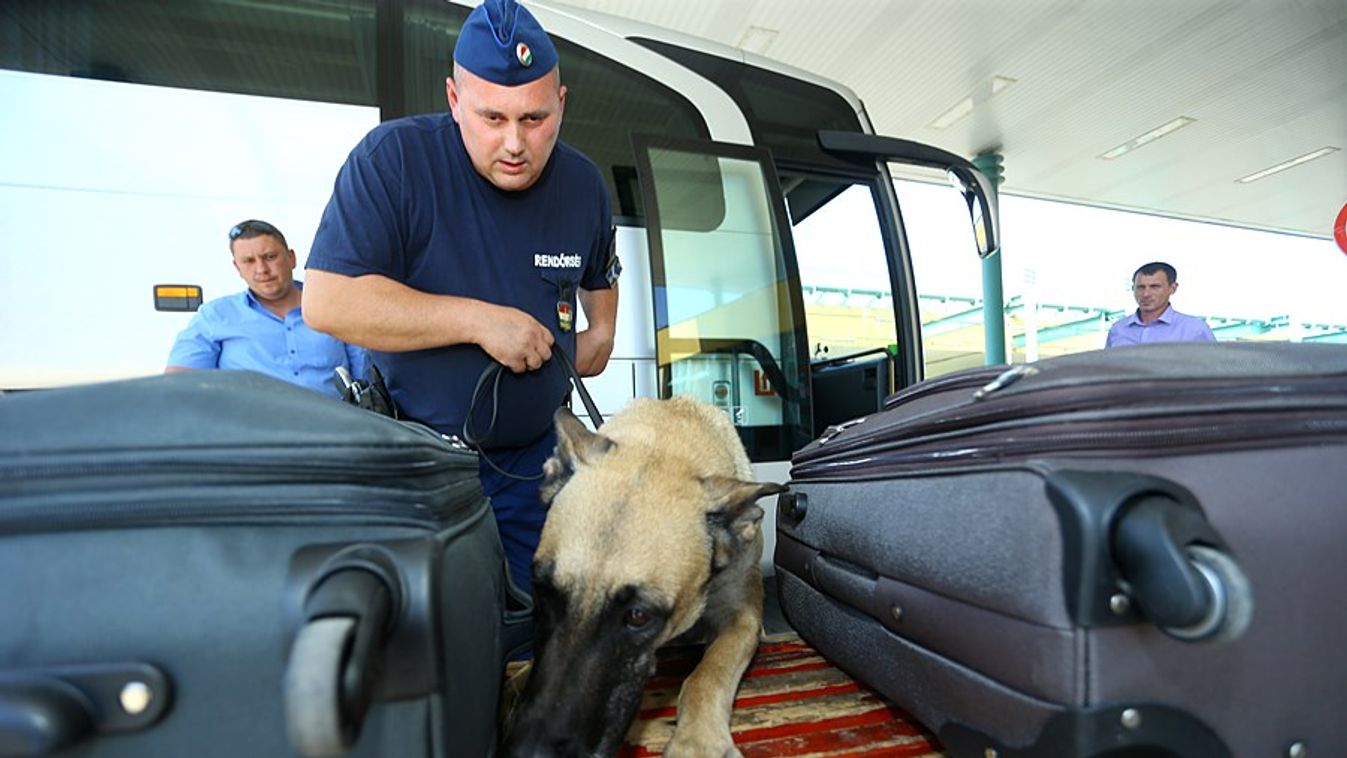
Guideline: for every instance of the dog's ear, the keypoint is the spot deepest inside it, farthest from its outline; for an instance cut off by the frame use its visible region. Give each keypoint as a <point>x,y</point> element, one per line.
<point>575,443</point>
<point>734,516</point>
<point>576,446</point>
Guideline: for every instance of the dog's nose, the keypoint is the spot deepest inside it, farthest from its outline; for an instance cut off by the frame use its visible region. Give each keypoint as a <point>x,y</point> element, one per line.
<point>538,737</point>
<point>540,747</point>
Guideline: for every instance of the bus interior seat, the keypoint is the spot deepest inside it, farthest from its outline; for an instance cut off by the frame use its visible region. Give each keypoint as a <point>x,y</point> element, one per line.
<point>850,386</point>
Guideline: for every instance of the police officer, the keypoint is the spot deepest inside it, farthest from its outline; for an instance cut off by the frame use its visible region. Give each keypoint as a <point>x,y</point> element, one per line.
<point>455,240</point>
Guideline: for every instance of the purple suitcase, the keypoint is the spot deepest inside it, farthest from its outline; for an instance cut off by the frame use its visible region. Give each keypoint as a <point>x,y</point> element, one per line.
<point>1131,552</point>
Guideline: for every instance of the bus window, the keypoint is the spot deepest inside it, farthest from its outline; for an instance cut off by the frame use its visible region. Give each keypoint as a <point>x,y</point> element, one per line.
<point>949,280</point>
<point>843,272</point>
<point>848,298</point>
<point>784,112</point>
<point>135,134</point>
<point>606,103</point>
<point>728,320</point>
<point>315,50</point>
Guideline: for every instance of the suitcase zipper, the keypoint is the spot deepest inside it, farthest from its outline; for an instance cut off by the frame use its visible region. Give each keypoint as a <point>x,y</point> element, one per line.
<point>971,379</point>
<point>974,414</point>
<point>1093,437</point>
<point>947,383</point>
<point>213,466</point>
<point>245,505</point>
<point>124,492</point>
<point>227,510</point>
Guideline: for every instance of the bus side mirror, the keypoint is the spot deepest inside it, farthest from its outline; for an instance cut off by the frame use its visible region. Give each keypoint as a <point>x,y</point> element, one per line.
<point>981,198</point>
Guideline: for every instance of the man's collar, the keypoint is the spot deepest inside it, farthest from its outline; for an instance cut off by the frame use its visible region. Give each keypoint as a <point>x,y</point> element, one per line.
<point>1164,317</point>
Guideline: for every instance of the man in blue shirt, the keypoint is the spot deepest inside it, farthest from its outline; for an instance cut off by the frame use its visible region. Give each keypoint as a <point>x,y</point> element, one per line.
<point>1155,320</point>
<point>261,329</point>
<point>458,240</point>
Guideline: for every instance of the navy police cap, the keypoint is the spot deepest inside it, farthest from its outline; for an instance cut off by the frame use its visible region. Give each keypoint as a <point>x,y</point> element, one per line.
<point>504,44</point>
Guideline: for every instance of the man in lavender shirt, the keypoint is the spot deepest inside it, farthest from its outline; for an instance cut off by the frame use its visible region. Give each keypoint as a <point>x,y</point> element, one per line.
<point>1155,320</point>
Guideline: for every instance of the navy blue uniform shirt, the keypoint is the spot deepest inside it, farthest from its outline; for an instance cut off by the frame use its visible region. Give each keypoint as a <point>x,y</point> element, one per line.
<point>409,205</point>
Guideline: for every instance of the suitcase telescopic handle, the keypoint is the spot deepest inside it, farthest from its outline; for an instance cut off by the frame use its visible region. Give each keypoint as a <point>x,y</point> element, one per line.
<point>336,659</point>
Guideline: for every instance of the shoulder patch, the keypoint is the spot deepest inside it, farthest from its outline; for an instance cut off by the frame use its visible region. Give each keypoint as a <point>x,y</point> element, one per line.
<point>612,268</point>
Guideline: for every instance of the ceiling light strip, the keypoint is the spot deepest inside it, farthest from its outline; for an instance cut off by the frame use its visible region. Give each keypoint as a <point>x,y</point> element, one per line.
<point>981,94</point>
<point>1150,136</point>
<point>1306,158</point>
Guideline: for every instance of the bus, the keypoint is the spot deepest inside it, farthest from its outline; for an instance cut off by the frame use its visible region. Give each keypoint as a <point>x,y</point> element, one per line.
<point>136,132</point>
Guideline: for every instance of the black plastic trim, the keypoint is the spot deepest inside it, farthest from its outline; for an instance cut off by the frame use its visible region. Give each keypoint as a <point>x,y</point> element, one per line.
<point>45,710</point>
<point>1114,731</point>
<point>1089,506</point>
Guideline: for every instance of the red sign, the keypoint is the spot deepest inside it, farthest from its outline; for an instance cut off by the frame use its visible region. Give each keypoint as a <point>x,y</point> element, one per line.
<point>1340,229</point>
<point>762,387</point>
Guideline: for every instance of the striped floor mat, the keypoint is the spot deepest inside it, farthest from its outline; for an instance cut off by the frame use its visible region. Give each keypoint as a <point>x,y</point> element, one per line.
<point>791,703</point>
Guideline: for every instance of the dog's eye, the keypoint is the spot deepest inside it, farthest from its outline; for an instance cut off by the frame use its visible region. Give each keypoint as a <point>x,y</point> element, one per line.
<point>636,618</point>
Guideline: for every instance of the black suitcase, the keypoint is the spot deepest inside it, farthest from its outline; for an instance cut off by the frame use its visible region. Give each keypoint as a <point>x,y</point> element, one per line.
<point>216,563</point>
<point>1130,552</point>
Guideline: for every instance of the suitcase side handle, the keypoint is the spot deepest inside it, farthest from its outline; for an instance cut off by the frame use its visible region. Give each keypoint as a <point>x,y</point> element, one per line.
<point>45,711</point>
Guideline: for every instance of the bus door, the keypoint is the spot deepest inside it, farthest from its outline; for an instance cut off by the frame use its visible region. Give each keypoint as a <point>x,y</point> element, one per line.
<point>856,270</point>
<point>746,262</point>
<point>936,234</point>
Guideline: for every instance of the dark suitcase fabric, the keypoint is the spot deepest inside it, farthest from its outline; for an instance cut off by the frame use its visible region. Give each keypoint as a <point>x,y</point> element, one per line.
<point>974,559</point>
<point>184,523</point>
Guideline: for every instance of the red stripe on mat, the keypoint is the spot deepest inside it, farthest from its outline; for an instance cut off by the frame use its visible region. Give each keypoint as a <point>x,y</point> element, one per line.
<point>888,738</point>
<point>848,732</point>
<point>785,697</point>
<point>674,678</point>
<point>877,716</point>
<point>759,700</point>
<point>819,666</point>
<point>772,648</point>
<point>770,657</point>
<point>809,711</point>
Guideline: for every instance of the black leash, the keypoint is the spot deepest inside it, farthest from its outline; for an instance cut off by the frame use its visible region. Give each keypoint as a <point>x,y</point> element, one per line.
<point>590,407</point>
<point>492,375</point>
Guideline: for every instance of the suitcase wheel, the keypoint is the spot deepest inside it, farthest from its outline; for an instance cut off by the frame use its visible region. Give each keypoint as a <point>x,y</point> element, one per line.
<point>1230,611</point>
<point>313,687</point>
<point>336,659</point>
<point>1167,555</point>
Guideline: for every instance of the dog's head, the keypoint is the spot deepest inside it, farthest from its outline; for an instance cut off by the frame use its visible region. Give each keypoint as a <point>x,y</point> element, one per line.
<point>636,543</point>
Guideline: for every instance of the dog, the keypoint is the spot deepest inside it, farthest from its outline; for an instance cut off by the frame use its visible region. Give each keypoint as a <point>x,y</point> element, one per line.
<point>652,535</point>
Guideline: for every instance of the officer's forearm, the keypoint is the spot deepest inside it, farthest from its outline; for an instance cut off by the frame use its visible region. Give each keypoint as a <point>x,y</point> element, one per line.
<point>594,345</point>
<point>378,313</point>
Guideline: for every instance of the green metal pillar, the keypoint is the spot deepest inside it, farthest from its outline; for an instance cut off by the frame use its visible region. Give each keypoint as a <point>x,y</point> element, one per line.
<point>993,298</point>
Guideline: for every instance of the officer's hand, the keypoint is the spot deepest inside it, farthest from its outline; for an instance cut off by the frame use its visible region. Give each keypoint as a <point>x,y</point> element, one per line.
<point>515,339</point>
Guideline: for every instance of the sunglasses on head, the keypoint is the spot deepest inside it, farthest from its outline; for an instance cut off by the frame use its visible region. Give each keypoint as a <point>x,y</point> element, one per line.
<point>252,228</point>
